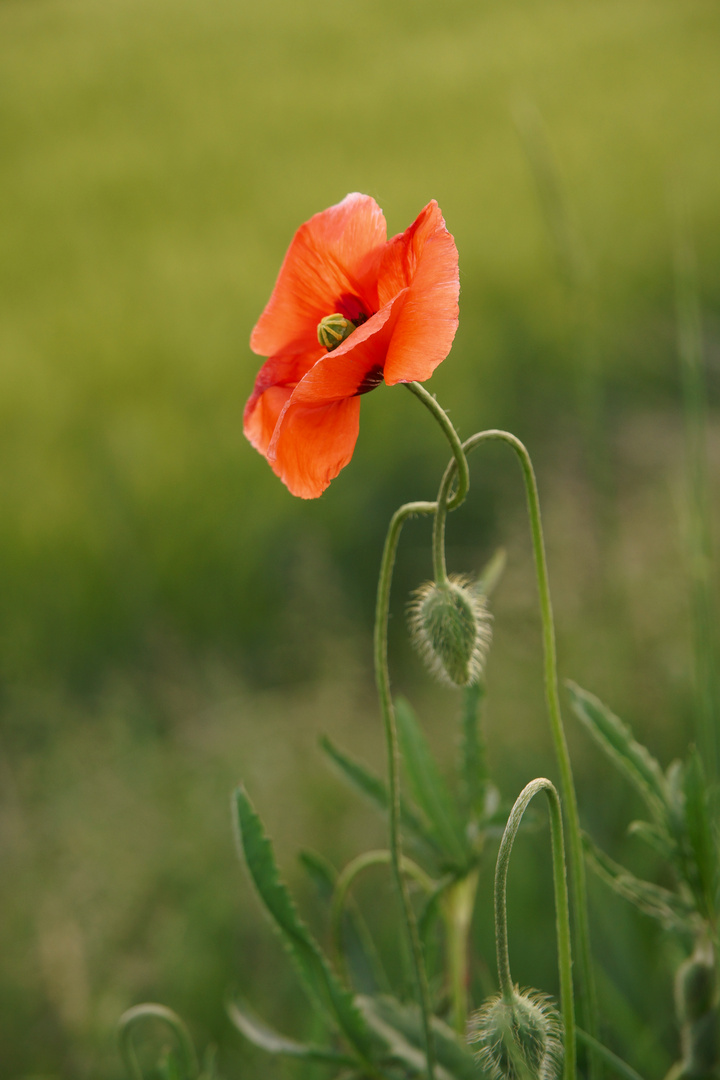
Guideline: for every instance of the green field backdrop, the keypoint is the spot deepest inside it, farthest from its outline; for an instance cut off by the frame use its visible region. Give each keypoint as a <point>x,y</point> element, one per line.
<point>171,619</point>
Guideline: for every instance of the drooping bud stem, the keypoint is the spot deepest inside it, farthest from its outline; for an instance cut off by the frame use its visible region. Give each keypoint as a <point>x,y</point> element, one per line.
<point>508,992</point>
<point>333,329</point>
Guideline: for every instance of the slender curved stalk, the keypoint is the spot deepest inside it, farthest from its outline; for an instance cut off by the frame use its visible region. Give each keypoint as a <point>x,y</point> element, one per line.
<point>459,469</point>
<point>382,677</point>
<point>133,1016</point>
<point>562,913</point>
<point>619,1067</point>
<point>346,879</point>
<point>587,993</point>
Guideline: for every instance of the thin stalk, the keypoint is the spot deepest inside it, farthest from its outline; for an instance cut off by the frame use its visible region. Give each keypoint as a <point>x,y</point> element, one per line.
<point>562,914</point>
<point>587,996</point>
<point>346,879</point>
<point>619,1067</point>
<point>698,530</point>
<point>138,1013</point>
<point>382,678</point>
<point>459,469</point>
<point>458,905</point>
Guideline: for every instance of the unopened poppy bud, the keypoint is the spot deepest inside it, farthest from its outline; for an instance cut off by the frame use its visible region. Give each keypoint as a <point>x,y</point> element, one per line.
<point>518,1038</point>
<point>333,329</point>
<point>450,628</point>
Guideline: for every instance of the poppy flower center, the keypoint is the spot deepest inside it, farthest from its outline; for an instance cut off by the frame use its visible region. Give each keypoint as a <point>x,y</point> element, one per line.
<point>333,329</point>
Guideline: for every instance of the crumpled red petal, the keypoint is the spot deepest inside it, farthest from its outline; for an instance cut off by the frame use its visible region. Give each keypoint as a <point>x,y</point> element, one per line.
<point>313,443</point>
<point>331,256</point>
<point>276,380</point>
<point>425,260</point>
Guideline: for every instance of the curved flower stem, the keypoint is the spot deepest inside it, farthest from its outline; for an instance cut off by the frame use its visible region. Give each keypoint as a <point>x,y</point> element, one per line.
<point>382,678</point>
<point>133,1016</point>
<point>347,877</point>
<point>587,994</point>
<point>459,468</point>
<point>562,914</point>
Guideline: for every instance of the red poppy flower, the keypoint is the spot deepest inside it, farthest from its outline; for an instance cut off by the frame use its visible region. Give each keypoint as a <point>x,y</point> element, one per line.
<point>349,310</point>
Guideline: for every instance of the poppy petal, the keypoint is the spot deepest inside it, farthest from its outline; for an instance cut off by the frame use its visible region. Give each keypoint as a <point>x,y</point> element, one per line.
<point>276,380</point>
<point>425,260</point>
<point>354,367</point>
<point>313,443</point>
<point>330,258</point>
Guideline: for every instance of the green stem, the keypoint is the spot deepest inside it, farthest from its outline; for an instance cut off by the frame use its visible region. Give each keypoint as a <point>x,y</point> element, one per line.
<point>619,1067</point>
<point>459,468</point>
<point>382,677</point>
<point>459,901</point>
<point>562,913</point>
<point>587,993</point>
<point>347,877</point>
<point>138,1013</point>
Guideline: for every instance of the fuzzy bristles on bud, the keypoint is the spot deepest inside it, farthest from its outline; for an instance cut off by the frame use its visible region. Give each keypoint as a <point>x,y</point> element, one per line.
<point>520,1039</point>
<point>450,627</point>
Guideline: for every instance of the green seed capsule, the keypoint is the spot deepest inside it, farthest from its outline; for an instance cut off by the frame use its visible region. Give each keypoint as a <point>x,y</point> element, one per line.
<point>333,329</point>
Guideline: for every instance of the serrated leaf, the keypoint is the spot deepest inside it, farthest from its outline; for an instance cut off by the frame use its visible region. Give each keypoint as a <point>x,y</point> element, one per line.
<point>473,764</point>
<point>667,907</point>
<point>373,788</point>
<point>400,1027</point>
<point>320,980</point>
<point>266,1038</point>
<point>616,739</point>
<point>428,787</point>
<point>700,837</point>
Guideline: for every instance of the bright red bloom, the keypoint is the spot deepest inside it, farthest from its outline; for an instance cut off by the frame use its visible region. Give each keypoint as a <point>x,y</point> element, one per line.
<point>399,299</point>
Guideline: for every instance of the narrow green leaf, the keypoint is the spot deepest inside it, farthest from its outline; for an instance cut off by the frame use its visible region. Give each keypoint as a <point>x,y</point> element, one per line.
<point>655,836</point>
<point>319,979</point>
<point>675,787</point>
<point>667,907</point>
<point>428,787</point>
<point>400,1027</point>
<point>373,788</point>
<point>700,836</point>
<point>260,1034</point>
<point>616,739</point>
<point>473,764</point>
<point>492,571</point>
<point>322,873</point>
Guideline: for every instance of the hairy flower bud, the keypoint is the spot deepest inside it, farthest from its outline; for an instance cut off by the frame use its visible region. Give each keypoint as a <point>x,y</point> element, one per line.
<point>520,1039</point>
<point>450,627</point>
<point>333,329</point>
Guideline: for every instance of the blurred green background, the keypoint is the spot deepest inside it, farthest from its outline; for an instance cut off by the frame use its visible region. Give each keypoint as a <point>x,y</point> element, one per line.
<point>171,619</point>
